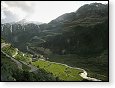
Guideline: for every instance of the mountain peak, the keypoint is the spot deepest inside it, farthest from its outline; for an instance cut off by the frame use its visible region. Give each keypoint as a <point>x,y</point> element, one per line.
<point>25,21</point>
<point>93,9</point>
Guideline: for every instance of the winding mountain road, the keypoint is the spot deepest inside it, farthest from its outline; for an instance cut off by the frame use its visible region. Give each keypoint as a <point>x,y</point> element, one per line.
<point>16,61</point>
<point>33,68</point>
<point>83,75</point>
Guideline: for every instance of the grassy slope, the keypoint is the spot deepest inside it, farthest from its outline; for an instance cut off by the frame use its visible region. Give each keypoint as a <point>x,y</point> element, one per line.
<point>63,72</point>
<point>90,53</point>
<point>11,51</point>
<point>96,67</point>
<point>11,72</point>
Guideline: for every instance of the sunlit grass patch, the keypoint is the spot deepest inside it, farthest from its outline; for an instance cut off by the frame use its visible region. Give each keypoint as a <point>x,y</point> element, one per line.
<point>59,70</point>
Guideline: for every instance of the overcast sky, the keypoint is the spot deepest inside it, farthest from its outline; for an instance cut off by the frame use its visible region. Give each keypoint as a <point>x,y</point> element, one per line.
<point>41,11</point>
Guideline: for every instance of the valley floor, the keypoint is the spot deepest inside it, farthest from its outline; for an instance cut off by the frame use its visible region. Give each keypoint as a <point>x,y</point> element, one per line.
<point>62,71</point>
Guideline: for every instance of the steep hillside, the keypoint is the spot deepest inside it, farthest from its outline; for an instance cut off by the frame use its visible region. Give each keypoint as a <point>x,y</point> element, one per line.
<point>82,32</point>
<point>11,72</point>
<point>81,40</point>
<point>17,68</point>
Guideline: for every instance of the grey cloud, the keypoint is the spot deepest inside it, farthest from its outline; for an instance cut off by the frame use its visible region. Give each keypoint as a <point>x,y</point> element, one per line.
<point>10,17</point>
<point>20,4</point>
